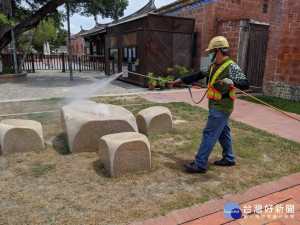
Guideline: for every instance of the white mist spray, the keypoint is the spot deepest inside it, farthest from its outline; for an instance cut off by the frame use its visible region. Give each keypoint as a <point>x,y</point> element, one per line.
<point>77,96</point>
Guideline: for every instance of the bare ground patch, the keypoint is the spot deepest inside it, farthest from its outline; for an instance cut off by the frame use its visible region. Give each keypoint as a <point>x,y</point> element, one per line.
<point>52,187</point>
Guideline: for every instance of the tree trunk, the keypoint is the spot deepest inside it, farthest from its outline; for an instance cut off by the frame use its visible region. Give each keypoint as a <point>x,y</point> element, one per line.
<point>13,40</point>
<point>29,23</point>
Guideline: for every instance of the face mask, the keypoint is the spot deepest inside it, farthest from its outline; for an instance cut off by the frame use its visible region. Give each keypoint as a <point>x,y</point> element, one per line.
<point>211,57</point>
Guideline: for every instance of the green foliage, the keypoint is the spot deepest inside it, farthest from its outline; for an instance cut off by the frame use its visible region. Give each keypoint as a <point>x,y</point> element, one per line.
<point>41,169</point>
<point>45,33</point>
<point>7,70</point>
<point>65,150</point>
<point>178,71</point>
<point>162,81</point>
<point>181,71</point>
<point>5,21</point>
<point>61,145</point>
<point>108,9</point>
<point>151,80</point>
<point>50,101</point>
<point>50,31</point>
<point>40,117</point>
<point>28,15</point>
<point>280,103</point>
<point>169,70</point>
<point>169,78</point>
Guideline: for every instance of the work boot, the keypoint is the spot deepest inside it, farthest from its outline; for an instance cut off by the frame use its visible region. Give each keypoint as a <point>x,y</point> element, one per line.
<point>224,162</point>
<point>193,168</point>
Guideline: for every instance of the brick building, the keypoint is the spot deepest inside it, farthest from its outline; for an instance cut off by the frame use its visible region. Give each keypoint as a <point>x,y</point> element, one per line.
<point>263,35</point>
<point>81,47</point>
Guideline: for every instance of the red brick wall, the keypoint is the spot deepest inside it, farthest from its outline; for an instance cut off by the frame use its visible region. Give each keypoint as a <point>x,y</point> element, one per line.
<point>199,15</point>
<point>246,8</point>
<point>282,70</point>
<point>288,60</point>
<point>207,27</point>
<point>231,33</point>
<point>272,49</point>
<point>235,11</point>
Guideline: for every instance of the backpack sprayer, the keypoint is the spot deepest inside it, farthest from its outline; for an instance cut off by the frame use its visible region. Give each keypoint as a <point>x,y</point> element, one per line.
<point>197,87</point>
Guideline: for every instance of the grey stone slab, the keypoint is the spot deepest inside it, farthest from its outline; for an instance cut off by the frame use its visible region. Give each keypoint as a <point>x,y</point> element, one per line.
<point>124,153</point>
<point>17,136</point>
<point>86,122</point>
<point>154,120</point>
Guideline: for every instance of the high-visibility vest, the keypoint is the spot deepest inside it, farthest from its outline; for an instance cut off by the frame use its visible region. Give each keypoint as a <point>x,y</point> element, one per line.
<point>212,92</point>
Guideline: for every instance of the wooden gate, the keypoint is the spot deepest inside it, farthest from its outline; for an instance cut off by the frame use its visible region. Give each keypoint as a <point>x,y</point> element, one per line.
<point>256,55</point>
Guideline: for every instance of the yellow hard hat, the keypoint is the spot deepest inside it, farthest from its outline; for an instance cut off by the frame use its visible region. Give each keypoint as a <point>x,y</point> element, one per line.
<point>217,42</point>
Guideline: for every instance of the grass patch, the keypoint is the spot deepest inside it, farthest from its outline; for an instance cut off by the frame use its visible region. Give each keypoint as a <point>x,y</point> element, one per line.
<point>40,117</point>
<point>79,182</point>
<point>40,169</point>
<point>64,150</point>
<point>7,70</point>
<point>280,103</point>
<point>50,101</point>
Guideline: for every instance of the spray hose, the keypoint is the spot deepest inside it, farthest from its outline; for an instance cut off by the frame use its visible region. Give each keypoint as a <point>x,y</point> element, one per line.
<point>197,87</point>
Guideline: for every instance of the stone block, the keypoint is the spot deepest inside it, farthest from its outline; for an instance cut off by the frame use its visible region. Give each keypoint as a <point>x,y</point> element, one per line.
<point>154,120</point>
<point>18,136</point>
<point>124,153</point>
<point>86,122</point>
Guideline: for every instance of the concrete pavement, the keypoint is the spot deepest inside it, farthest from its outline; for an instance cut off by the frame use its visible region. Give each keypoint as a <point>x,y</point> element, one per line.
<point>54,83</point>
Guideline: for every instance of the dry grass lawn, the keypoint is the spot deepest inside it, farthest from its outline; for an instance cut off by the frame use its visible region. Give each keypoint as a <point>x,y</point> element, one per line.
<point>52,187</point>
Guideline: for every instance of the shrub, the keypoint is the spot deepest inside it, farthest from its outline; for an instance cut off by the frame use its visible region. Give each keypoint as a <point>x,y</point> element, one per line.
<point>178,71</point>
<point>151,79</point>
<point>8,70</point>
<point>162,81</point>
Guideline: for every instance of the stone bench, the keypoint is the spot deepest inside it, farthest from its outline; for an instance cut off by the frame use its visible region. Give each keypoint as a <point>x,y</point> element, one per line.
<point>18,135</point>
<point>154,120</point>
<point>86,122</point>
<point>124,153</point>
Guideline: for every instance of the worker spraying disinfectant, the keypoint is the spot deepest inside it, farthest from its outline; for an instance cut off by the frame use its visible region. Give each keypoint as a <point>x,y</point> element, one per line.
<point>222,74</point>
<point>224,77</point>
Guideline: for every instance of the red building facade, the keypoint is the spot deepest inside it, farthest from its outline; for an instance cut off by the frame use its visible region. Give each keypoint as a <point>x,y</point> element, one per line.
<point>263,35</point>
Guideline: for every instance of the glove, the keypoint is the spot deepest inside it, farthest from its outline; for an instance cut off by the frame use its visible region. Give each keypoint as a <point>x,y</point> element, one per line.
<point>227,82</point>
<point>177,82</point>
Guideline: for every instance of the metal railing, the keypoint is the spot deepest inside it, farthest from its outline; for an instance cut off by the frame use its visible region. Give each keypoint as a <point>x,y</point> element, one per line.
<point>55,62</point>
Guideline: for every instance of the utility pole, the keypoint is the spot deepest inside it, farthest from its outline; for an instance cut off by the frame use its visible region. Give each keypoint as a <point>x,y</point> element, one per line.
<point>69,41</point>
<point>13,39</point>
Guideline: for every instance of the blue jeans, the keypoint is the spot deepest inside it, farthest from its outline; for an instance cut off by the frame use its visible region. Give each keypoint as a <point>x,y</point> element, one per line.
<point>217,128</point>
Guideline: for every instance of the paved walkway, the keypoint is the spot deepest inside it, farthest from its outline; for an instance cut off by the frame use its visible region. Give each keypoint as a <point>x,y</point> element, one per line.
<point>283,194</point>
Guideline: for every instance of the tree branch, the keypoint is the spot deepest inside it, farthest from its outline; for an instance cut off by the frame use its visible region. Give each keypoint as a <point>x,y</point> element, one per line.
<point>31,22</point>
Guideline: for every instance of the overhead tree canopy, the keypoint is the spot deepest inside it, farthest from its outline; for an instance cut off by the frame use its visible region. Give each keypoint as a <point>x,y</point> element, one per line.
<point>47,31</point>
<point>28,13</point>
